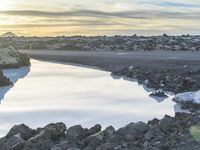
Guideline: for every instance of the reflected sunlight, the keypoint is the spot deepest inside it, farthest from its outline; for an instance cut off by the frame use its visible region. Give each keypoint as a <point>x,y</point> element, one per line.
<point>81,94</point>
<point>4,5</point>
<point>99,17</point>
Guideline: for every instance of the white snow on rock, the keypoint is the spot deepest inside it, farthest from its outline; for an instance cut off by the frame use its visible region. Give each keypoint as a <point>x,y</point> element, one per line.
<point>130,68</point>
<point>9,56</point>
<point>192,97</point>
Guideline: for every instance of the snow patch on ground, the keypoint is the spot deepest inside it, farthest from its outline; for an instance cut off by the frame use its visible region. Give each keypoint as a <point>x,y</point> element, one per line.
<point>193,97</point>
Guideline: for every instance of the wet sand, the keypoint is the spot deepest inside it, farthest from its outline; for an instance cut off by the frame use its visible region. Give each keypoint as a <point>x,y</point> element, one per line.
<point>112,61</point>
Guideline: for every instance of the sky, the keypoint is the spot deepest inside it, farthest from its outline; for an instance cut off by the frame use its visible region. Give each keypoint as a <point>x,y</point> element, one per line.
<point>99,17</point>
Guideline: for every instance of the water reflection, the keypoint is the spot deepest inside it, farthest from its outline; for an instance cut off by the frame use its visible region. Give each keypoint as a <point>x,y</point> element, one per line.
<point>147,89</point>
<point>14,75</point>
<point>54,92</point>
<point>159,99</point>
<point>178,108</point>
<point>3,91</point>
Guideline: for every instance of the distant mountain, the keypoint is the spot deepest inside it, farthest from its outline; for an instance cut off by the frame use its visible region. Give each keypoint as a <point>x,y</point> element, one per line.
<point>9,34</point>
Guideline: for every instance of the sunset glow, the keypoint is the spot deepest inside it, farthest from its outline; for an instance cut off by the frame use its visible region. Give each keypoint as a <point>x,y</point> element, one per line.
<point>4,5</point>
<point>99,17</point>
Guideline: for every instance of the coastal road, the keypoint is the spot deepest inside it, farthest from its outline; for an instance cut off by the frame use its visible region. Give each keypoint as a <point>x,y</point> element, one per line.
<point>111,61</point>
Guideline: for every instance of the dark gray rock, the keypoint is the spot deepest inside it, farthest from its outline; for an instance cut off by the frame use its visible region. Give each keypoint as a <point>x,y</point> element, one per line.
<point>134,131</point>
<point>56,148</point>
<point>19,146</point>
<point>77,132</point>
<point>51,131</point>
<point>7,144</point>
<point>73,148</point>
<point>21,130</point>
<point>170,133</point>
<point>13,141</point>
<point>3,144</point>
<point>69,144</point>
<point>42,144</point>
<point>107,146</point>
<point>167,123</point>
<point>152,133</point>
<point>159,93</point>
<point>24,59</point>
<point>54,131</point>
<point>95,129</point>
<point>109,131</point>
<point>93,141</point>
<point>4,81</point>
<point>153,122</point>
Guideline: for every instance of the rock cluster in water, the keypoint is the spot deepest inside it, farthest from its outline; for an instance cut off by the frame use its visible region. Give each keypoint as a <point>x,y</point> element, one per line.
<point>107,43</point>
<point>159,93</point>
<point>11,58</point>
<point>179,133</point>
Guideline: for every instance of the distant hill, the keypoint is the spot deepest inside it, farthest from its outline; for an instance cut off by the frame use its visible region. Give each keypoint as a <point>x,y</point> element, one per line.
<point>9,34</point>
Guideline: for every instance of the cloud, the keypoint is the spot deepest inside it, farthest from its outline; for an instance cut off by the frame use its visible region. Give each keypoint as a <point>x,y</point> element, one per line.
<point>177,4</point>
<point>58,25</point>
<point>103,14</point>
<point>108,16</point>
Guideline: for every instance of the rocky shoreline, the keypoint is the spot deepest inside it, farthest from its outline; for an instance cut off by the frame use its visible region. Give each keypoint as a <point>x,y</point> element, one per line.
<point>174,80</point>
<point>107,43</point>
<point>179,133</point>
<point>11,58</point>
<point>180,81</point>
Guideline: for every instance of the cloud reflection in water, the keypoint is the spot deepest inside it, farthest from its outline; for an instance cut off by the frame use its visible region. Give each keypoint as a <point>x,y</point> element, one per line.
<point>54,92</point>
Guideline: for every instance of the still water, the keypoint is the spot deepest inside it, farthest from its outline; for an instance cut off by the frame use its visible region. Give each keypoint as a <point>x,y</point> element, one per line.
<point>51,92</point>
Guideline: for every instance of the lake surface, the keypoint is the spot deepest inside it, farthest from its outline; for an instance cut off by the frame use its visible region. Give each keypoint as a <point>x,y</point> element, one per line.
<point>52,92</point>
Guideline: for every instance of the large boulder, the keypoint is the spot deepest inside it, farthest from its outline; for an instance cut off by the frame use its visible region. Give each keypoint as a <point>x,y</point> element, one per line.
<point>22,131</point>
<point>52,131</point>
<point>95,129</point>
<point>167,124</point>
<point>8,144</point>
<point>55,131</point>
<point>12,58</point>
<point>134,131</point>
<point>77,132</point>
<point>44,138</point>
